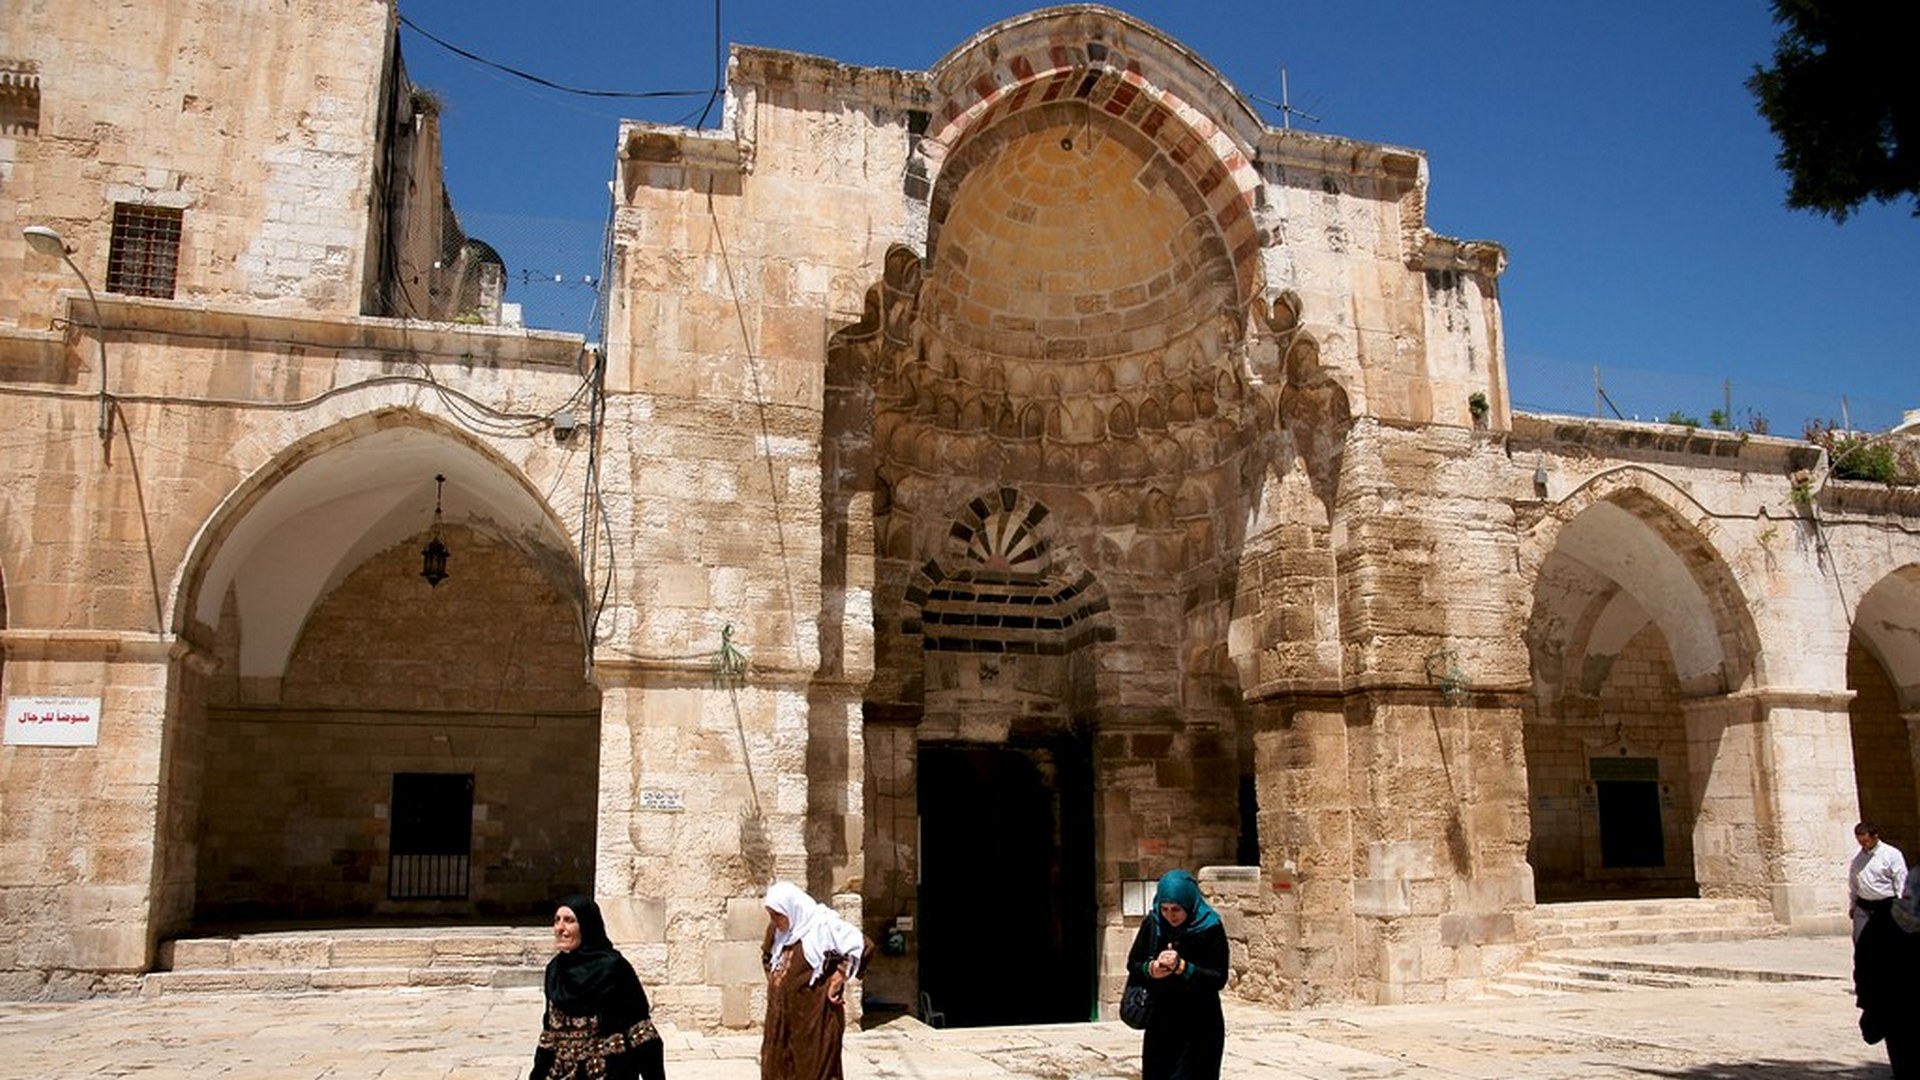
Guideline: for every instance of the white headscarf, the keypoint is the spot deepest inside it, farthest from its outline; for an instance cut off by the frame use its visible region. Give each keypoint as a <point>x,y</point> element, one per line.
<point>816,927</point>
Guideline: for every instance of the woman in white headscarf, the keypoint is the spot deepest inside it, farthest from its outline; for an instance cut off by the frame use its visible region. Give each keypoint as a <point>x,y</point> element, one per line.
<point>810,952</point>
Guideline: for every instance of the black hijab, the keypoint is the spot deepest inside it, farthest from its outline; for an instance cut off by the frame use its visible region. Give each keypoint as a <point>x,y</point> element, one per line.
<point>583,981</point>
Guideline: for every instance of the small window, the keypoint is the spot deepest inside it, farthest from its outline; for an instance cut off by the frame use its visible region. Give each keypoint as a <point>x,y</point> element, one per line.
<point>146,251</point>
<point>431,843</point>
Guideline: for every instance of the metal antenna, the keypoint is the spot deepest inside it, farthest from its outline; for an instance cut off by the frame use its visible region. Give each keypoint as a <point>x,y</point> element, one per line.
<point>1285,105</point>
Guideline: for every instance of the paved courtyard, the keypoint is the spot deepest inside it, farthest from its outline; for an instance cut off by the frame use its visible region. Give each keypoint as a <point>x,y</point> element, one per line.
<point>1751,1029</point>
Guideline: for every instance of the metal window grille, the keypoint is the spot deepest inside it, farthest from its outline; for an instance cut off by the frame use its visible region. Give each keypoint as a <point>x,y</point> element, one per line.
<point>144,257</point>
<point>431,845</point>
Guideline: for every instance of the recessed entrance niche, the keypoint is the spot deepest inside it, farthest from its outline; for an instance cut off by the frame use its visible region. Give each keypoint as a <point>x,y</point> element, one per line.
<point>1006,872</point>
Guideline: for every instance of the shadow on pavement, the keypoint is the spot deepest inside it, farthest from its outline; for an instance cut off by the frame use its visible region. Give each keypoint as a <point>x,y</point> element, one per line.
<point>1771,1069</point>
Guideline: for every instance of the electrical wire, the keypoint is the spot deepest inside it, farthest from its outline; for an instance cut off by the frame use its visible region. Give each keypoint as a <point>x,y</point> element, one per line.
<point>719,67</point>
<point>766,429</point>
<point>548,83</point>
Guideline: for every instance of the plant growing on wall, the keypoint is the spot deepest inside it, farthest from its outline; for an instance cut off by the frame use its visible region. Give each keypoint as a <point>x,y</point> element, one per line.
<point>1854,456</point>
<point>1478,407</point>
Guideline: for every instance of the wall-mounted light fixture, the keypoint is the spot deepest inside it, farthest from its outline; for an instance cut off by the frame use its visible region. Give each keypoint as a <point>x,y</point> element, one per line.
<point>1540,477</point>
<point>433,557</point>
<point>47,242</point>
<point>564,425</point>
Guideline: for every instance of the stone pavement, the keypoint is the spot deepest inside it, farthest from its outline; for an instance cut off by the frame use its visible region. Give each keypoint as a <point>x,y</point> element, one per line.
<point>1752,1029</point>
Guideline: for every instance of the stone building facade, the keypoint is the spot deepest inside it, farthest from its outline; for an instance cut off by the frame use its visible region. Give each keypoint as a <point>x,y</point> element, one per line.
<point>1009,480</point>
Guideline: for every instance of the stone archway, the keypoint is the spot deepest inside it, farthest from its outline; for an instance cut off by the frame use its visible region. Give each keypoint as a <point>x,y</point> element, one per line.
<point>356,744</point>
<point>1066,437</point>
<point>1883,671</point>
<point>1634,624</point>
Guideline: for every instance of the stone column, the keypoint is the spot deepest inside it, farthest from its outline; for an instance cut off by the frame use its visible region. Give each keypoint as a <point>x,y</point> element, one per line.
<point>1306,852</point>
<point>1731,812</point>
<point>703,801</point>
<point>77,917</point>
<point>1806,752</point>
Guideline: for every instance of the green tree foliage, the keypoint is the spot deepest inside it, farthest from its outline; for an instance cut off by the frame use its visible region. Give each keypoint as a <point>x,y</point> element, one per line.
<point>1843,99</point>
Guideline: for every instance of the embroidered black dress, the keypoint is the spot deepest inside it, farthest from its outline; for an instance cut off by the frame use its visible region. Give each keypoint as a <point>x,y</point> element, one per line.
<point>598,1024</point>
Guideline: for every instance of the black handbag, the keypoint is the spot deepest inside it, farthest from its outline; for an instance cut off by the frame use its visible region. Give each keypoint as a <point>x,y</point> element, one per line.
<point>1135,1006</point>
<point>1136,1002</point>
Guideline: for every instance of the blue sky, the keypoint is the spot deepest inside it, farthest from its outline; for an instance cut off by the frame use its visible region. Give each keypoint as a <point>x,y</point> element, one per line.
<point>1612,148</point>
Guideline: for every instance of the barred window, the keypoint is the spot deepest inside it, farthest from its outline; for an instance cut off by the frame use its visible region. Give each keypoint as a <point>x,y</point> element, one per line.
<point>146,251</point>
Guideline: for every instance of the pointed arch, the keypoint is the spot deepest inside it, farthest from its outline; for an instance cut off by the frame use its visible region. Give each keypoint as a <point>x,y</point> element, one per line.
<point>316,510</point>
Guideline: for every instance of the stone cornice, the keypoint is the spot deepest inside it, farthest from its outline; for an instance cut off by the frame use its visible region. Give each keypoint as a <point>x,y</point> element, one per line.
<point>112,646</point>
<point>1337,694</point>
<point>613,671</point>
<point>1870,497</point>
<point>720,151</point>
<point>238,325</point>
<point>1436,252</point>
<point>1821,698</point>
<point>1632,440</point>
<point>1290,148</point>
<point>33,356</point>
<point>892,88</point>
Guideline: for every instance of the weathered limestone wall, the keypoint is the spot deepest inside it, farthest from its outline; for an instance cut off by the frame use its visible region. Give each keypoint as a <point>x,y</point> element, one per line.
<point>77,823</point>
<point>272,163</point>
<point>103,553</point>
<point>1883,757</point>
<point>1638,713</point>
<point>741,252</point>
<point>483,675</point>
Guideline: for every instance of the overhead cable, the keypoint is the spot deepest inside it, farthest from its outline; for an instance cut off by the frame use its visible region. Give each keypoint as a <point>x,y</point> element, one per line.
<point>549,83</point>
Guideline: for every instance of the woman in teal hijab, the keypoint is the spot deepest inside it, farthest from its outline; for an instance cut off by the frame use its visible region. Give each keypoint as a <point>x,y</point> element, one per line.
<point>1180,955</point>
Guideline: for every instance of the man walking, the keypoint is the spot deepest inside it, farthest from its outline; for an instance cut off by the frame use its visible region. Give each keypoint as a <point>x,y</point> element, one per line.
<point>1882,966</point>
<point>1877,875</point>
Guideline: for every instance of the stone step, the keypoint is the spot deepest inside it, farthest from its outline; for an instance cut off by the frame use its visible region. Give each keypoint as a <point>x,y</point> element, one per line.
<point>1564,976</point>
<point>1588,909</point>
<point>386,948</point>
<point>1755,924</point>
<point>1651,935</point>
<point>341,959</point>
<point>211,981</point>
<point>1601,923</point>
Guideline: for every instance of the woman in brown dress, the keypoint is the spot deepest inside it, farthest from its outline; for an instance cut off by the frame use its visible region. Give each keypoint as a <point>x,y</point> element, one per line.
<point>810,952</point>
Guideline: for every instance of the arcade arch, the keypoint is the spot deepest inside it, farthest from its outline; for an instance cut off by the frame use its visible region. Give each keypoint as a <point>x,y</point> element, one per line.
<point>1883,671</point>
<point>353,743</point>
<point>1635,620</point>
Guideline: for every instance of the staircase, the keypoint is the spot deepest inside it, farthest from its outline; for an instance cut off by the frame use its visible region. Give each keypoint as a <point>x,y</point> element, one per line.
<point>349,959</point>
<point>1604,945</point>
<point>1599,924</point>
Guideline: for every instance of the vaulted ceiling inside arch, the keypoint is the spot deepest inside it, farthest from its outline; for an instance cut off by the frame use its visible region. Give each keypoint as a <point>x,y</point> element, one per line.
<point>1071,238</point>
<point>1610,576</point>
<point>1888,620</point>
<point>1075,334</point>
<point>324,517</point>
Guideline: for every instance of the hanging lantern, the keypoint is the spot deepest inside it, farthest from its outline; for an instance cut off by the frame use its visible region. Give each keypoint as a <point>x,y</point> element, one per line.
<point>433,557</point>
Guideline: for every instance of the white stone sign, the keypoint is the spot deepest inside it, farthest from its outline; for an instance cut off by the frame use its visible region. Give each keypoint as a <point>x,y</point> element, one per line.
<point>672,801</point>
<point>53,721</point>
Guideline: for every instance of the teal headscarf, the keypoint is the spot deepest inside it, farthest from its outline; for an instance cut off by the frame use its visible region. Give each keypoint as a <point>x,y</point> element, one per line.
<point>1178,887</point>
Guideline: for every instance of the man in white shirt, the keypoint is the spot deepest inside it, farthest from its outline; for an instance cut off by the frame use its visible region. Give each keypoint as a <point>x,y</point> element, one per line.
<point>1883,954</point>
<point>1877,874</point>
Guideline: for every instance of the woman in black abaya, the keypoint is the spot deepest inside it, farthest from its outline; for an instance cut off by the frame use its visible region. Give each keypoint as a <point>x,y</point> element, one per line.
<point>598,1025</point>
<point>1180,955</point>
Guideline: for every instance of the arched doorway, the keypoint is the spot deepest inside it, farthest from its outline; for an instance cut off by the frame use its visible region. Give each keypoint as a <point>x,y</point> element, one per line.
<point>367,745</point>
<point>1883,671</point>
<point>1629,631</point>
<point>1060,399</point>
